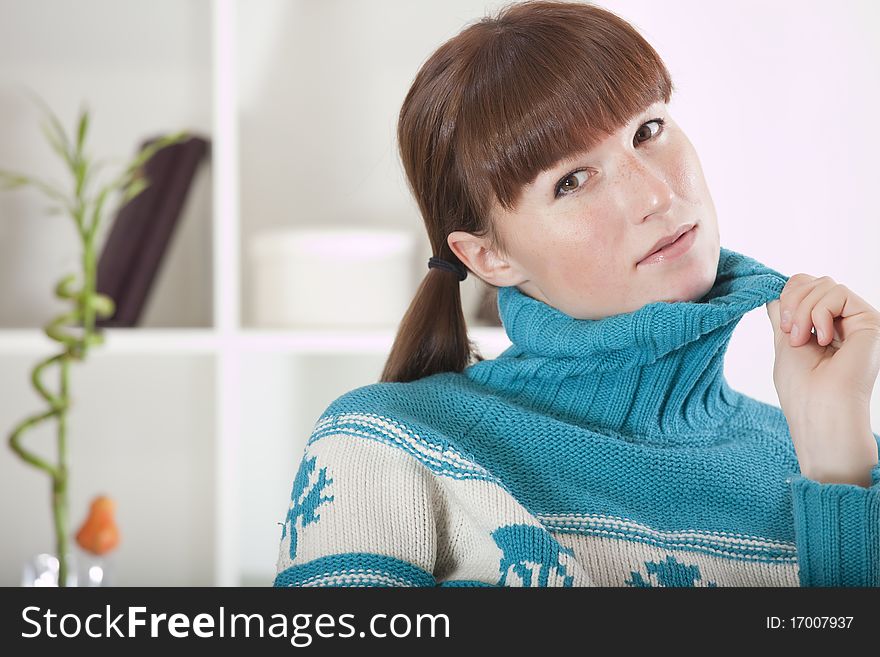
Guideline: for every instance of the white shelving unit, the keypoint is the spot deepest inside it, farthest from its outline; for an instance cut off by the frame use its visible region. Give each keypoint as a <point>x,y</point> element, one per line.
<point>195,423</point>
<point>214,446</point>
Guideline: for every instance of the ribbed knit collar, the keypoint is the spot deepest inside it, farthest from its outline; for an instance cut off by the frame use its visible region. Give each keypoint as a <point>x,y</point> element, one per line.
<point>651,375</point>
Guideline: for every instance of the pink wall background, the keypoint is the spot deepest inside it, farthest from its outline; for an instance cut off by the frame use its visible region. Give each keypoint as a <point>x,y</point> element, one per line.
<point>780,100</point>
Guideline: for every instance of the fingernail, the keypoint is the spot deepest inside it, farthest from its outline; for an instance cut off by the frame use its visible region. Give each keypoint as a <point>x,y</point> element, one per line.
<point>786,317</point>
<point>821,334</point>
<point>794,331</point>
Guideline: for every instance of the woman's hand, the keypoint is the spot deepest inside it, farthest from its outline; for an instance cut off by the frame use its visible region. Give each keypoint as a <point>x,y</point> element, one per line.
<point>824,380</point>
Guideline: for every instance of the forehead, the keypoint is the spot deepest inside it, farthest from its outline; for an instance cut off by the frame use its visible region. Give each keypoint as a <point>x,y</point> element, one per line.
<point>536,189</point>
<point>658,108</point>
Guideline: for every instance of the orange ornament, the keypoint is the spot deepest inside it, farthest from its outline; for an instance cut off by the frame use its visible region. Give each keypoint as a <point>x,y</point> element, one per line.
<point>99,533</point>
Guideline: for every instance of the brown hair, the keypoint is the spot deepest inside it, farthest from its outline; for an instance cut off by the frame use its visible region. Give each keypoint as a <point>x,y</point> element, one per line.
<point>491,108</point>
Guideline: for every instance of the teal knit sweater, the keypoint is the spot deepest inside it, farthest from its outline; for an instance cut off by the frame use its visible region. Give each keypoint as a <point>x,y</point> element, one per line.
<point>605,452</point>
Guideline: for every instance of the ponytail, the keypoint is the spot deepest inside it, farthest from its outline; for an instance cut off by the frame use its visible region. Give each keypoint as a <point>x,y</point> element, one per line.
<point>432,336</point>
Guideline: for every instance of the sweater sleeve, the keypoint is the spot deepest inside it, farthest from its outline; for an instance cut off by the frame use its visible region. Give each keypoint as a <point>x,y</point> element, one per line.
<point>361,513</point>
<point>837,531</point>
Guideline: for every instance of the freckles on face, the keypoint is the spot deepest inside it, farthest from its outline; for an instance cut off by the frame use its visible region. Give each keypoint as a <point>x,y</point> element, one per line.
<point>577,263</point>
<point>685,171</point>
<point>580,253</point>
<point>584,250</point>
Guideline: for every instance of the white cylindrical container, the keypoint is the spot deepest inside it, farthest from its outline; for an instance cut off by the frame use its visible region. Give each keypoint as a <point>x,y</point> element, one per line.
<point>331,277</point>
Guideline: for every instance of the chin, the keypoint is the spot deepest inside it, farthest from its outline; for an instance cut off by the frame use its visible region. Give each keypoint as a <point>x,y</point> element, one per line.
<point>691,283</point>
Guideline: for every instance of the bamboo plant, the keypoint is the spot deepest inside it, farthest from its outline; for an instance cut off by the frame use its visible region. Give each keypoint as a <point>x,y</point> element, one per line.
<point>75,330</point>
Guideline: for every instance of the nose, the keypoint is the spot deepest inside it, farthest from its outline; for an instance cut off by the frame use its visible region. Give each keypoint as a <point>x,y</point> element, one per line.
<point>645,189</point>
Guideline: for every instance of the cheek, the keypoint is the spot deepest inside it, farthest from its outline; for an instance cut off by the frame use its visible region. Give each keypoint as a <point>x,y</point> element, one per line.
<point>687,174</point>
<point>589,264</point>
<point>690,182</point>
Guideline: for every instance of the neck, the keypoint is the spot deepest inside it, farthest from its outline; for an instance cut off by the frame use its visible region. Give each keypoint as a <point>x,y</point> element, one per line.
<point>651,375</point>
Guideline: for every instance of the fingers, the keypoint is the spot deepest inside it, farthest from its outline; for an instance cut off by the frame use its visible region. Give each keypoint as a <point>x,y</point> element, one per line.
<point>810,308</point>
<point>808,302</point>
<point>797,287</point>
<point>822,305</point>
<point>773,313</point>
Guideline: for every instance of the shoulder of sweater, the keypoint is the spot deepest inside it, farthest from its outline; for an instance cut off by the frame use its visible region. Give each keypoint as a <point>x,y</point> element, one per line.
<point>422,417</point>
<point>398,397</point>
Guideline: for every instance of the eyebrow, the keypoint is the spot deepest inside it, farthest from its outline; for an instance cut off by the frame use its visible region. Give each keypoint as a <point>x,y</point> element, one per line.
<point>566,163</point>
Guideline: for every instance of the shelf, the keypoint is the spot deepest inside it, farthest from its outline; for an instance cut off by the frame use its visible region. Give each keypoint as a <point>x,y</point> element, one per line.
<point>136,341</point>
<point>225,386</point>
<point>33,342</point>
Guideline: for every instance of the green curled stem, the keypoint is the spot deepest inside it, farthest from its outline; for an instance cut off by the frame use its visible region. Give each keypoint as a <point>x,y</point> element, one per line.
<point>86,210</point>
<point>30,457</point>
<point>57,403</point>
<point>54,329</point>
<point>103,305</point>
<point>62,289</point>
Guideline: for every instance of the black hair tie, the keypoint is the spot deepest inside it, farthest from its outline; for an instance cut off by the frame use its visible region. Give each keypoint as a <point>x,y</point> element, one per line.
<point>454,267</point>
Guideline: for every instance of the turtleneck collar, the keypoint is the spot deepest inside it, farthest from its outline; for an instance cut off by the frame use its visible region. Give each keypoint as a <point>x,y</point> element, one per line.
<point>651,375</point>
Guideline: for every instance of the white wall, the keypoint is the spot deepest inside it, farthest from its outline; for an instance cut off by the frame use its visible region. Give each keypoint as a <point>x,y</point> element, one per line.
<point>143,68</point>
<point>321,85</point>
<point>779,100</point>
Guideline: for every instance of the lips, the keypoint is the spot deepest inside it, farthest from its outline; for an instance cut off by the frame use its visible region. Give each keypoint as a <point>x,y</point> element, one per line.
<point>669,239</point>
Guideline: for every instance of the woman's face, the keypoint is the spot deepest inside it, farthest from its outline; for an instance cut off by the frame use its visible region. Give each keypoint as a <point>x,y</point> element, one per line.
<point>580,232</point>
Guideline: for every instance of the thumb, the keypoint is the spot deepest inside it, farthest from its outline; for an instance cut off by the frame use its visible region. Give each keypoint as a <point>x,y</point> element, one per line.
<point>773,314</point>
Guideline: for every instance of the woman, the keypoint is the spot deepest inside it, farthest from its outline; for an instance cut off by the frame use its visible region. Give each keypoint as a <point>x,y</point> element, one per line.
<point>604,447</point>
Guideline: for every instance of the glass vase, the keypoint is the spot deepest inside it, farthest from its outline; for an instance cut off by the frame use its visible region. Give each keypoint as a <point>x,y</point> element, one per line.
<point>82,570</point>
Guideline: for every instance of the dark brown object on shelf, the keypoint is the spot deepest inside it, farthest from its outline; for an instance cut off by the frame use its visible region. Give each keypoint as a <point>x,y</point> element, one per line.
<point>142,230</point>
<point>487,310</point>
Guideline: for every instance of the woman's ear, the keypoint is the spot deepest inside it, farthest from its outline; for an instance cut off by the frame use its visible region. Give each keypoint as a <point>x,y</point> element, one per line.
<point>475,253</point>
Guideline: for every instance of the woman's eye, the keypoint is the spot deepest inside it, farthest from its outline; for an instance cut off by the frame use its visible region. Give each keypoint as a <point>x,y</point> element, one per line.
<point>649,134</point>
<point>571,182</point>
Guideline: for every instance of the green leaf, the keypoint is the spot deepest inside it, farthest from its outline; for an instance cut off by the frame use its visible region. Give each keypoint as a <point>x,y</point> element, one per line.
<point>98,208</point>
<point>151,149</point>
<point>50,190</point>
<point>57,144</point>
<point>81,130</point>
<point>136,187</point>
<point>55,124</point>
<point>53,130</point>
<point>80,164</point>
<point>10,180</point>
<point>80,173</point>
